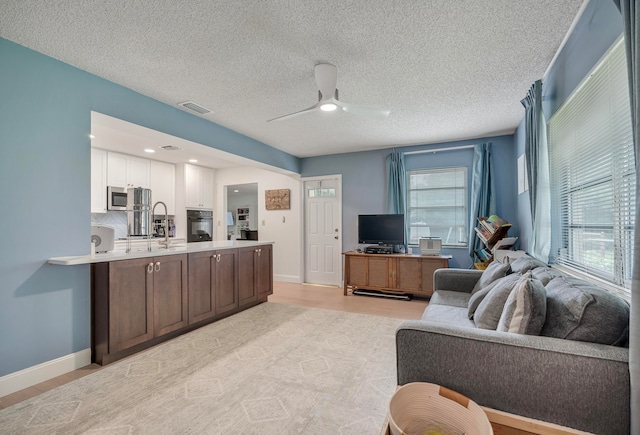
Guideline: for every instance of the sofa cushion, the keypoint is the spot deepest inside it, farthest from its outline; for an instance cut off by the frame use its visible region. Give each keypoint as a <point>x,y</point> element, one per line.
<point>526,307</point>
<point>580,311</point>
<point>447,314</point>
<point>448,297</point>
<point>489,310</point>
<point>525,264</point>
<point>493,271</point>
<point>479,296</point>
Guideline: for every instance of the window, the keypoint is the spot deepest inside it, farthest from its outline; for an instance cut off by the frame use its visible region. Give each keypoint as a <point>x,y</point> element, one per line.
<point>437,205</point>
<point>593,175</point>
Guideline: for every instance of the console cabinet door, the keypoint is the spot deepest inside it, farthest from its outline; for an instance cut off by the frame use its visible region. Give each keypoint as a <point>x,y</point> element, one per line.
<point>130,303</point>
<point>378,272</point>
<point>170,293</point>
<point>408,274</point>
<point>429,266</point>
<point>356,270</point>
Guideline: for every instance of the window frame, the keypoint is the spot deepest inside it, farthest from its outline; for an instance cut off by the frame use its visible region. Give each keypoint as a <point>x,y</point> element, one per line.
<point>465,188</point>
<point>573,179</point>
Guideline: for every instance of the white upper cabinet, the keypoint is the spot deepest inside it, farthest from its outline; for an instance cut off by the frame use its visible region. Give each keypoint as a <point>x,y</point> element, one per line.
<point>162,183</point>
<point>138,172</point>
<point>127,171</point>
<point>98,181</point>
<point>198,187</point>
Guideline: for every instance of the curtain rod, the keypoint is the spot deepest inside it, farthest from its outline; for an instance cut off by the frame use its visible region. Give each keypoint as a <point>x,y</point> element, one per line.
<point>440,149</point>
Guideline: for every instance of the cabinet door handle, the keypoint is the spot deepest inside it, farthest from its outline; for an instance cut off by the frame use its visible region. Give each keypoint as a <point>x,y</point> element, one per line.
<point>150,268</point>
<point>157,268</point>
<point>259,251</point>
<point>218,258</point>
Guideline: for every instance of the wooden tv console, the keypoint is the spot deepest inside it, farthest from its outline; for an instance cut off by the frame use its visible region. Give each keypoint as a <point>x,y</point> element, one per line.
<point>392,273</point>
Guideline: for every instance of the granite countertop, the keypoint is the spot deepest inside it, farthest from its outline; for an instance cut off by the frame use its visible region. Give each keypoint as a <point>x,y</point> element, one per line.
<point>140,251</point>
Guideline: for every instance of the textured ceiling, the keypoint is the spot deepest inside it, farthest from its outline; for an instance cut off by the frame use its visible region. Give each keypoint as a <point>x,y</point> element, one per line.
<point>447,69</point>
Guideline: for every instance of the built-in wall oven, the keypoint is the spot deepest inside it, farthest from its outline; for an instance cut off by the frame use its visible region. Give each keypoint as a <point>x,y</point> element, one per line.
<point>199,226</point>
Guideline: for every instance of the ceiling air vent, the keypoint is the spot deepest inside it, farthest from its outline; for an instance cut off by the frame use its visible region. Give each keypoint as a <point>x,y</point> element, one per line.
<point>170,148</point>
<point>194,107</point>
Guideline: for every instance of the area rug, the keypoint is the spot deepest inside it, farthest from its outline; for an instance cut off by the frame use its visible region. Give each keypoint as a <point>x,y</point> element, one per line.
<point>272,369</point>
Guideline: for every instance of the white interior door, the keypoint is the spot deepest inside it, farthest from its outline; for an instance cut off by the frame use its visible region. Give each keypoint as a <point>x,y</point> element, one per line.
<point>323,230</point>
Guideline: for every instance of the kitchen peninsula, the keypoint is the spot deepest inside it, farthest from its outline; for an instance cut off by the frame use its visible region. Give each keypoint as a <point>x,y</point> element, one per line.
<point>142,298</point>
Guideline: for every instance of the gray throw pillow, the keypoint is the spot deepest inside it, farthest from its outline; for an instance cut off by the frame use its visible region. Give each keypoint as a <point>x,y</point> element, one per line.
<point>479,296</point>
<point>493,271</point>
<point>488,313</point>
<point>525,264</point>
<point>577,310</point>
<point>526,307</point>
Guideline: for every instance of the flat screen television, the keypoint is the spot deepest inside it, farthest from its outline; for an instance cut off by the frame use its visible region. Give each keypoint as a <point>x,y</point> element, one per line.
<point>381,229</point>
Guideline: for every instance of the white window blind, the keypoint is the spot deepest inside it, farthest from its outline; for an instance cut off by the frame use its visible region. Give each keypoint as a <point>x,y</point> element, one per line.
<point>592,167</point>
<point>437,205</point>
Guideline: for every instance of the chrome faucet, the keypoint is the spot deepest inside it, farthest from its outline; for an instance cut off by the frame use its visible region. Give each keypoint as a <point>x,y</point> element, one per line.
<point>166,241</point>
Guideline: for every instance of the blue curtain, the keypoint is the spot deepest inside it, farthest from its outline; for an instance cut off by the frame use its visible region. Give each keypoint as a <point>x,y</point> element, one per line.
<point>482,192</point>
<point>537,158</point>
<point>397,188</point>
<point>631,18</point>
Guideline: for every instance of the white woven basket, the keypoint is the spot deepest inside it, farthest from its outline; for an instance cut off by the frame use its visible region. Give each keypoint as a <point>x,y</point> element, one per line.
<point>420,408</point>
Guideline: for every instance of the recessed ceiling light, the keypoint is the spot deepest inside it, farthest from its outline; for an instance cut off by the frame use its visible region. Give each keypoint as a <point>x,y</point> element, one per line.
<point>193,160</point>
<point>235,191</point>
<point>149,150</point>
<point>91,136</point>
<point>328,107</point>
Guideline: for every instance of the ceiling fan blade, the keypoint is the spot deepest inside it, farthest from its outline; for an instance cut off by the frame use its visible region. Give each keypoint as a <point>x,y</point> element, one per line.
<point>326,79</point>
<point>291,115</point>
<point>369,112</point>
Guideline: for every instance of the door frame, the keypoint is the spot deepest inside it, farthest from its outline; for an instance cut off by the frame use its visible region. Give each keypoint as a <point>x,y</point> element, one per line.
<point>303,195</point>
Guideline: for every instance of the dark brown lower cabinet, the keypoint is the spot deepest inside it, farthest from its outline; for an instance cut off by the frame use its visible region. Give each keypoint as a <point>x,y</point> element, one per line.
<point>130,302</point>
<point>137,300</point>
<point>264,272</point>
<point>255,273</point>
<point>226,281</point>
<point>213,284</point>
<point>170,294</point>
<point>141,302</point>
<point>247,291</point>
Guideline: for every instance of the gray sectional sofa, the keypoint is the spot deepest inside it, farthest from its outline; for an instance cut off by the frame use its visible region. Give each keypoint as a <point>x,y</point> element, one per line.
<point>524,339</point>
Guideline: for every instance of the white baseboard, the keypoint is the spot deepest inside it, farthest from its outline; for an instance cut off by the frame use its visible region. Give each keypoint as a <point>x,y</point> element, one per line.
<point>43,372</point>
<point>287,278</point>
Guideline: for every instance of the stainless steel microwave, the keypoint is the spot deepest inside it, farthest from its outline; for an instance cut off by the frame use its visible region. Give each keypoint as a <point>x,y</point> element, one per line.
<point>116,198</point>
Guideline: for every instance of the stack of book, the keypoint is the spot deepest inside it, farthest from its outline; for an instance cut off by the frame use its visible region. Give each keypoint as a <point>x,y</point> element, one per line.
<point>492,231</point>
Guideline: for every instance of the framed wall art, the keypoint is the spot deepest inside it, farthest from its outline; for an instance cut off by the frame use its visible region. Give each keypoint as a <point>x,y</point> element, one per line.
<point>278,199</point>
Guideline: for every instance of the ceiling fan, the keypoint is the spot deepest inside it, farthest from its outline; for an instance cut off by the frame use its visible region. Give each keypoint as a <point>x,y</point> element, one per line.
<point>326,79</point>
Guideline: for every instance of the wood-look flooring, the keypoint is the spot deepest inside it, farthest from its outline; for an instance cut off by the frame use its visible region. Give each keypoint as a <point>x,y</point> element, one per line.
<point>331,298</point>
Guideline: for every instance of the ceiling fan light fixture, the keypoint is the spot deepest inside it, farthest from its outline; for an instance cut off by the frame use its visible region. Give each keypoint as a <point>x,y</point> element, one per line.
<point>328,107</point>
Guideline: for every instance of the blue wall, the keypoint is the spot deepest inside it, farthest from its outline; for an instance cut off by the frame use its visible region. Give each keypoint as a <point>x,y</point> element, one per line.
<point>364,186</point>
<point>45,182</point>
<point>598,28</point>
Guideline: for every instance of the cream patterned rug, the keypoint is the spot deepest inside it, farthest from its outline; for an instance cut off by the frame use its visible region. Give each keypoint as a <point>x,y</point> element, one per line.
<point>273,369</point>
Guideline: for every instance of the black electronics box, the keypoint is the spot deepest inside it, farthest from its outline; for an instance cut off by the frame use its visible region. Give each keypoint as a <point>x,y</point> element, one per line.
<point>378,250</point>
